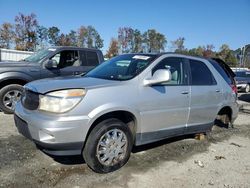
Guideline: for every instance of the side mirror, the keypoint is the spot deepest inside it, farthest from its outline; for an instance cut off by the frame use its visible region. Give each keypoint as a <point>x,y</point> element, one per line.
<point>51,64</point>
<point>161,75</point>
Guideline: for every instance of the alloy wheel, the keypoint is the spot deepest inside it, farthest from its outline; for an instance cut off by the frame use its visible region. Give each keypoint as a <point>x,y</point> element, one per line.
<point>11,98</point>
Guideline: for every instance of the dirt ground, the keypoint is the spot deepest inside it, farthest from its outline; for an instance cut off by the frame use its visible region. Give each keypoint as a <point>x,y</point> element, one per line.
<point>222,159</point>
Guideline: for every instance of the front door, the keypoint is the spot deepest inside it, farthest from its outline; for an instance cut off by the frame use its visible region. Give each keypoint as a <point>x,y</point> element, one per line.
<point>89,60</point>
<point>69,63</point>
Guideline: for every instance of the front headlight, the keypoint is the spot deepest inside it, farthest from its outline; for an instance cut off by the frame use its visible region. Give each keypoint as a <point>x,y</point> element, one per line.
<point>61,101</point>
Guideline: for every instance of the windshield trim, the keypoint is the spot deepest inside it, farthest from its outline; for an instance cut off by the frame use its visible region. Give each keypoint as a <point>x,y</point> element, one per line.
<point>48,53</point>
<point>154,57</point>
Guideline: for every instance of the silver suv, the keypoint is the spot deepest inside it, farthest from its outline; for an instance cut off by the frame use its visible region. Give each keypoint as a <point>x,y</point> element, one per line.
<point>130,100</point>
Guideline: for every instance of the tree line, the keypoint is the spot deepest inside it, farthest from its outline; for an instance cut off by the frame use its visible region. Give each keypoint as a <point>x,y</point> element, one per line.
<point>224,51</point>
<point>131,40</point>
<point>26,34</point>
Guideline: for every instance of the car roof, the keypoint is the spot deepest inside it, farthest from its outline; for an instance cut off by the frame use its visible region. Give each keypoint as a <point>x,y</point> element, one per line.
<point>165,53</point>
<point>73,48</point>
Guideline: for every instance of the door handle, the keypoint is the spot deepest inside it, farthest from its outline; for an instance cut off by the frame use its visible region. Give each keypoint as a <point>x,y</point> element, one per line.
<point>184,92</point>
<point>217,90</point>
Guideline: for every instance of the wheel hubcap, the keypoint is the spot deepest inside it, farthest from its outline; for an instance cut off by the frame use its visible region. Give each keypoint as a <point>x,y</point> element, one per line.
<point>112,147</point>
<point>247,88</point>
<point>10,99</point>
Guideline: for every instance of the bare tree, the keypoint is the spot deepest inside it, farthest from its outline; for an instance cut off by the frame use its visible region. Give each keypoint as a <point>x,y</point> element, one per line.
<point>6,35</point>
<point>154,41</point>
<point>25,31</point>
<point>113,48</point>
<point>178,45</point>
<point>53,35</point>
<point>125,39</point>
<point>89,37</point>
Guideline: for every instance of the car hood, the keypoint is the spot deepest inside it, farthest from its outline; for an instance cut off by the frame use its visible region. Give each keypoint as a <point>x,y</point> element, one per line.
<point>52,84</point>
<point>16,64</point>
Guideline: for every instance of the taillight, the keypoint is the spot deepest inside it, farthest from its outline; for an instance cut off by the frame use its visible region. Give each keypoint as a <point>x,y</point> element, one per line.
<point>234,89</point>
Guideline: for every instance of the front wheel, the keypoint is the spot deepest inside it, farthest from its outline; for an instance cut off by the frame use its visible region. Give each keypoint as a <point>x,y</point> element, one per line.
<point>108,146</point>
<point>9,96</point>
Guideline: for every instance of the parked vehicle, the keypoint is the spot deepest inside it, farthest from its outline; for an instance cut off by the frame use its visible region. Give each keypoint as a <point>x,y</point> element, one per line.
<point>50,62</point>
<point>243,80</point>
<point>130,100</point>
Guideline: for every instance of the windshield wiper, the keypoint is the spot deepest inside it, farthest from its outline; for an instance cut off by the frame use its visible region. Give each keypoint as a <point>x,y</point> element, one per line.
<point>83,74</point>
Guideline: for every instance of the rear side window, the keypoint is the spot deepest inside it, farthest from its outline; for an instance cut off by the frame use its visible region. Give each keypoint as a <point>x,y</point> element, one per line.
<point>200,74</point>
<point>222,72</point>
<point>92,58</point>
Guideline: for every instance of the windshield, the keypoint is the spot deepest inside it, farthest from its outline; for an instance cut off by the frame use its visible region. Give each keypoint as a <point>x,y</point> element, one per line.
<point>36,57</point>
<point>123,67</point>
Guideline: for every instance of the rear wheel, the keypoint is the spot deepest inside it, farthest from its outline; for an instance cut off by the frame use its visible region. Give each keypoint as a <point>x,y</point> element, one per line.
<point>9,96</point>
<point>223,120</point>
<point>108,146</point>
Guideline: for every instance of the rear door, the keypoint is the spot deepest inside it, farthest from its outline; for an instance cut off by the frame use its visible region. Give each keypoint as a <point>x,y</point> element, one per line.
<point>206,96</point>
<point>89,60</point>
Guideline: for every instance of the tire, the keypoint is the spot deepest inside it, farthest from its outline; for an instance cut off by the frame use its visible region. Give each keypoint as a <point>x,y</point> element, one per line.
<point>9,95</point>
<point>223,121</point>
<point>247,89</point>
<point>97,141</point>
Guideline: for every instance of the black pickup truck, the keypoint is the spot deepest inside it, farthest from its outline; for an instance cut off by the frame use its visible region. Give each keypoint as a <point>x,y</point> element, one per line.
<point>50,62</point>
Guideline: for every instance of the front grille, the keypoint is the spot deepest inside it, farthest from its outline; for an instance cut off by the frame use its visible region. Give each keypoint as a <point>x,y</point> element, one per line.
<point>30,100</point>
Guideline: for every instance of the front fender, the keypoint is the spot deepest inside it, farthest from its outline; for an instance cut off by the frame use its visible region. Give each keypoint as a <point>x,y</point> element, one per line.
<point>15,75</point>
<point>107,108</point>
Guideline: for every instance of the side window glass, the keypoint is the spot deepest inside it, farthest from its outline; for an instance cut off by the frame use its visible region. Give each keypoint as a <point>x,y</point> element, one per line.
<point>200,73</point>
<point>92,58</point>
<point>67,58</point>
<point>176,67</point>
<point>83,58</point>
<point>221,71</point>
